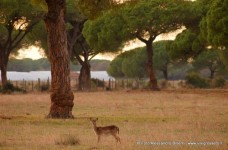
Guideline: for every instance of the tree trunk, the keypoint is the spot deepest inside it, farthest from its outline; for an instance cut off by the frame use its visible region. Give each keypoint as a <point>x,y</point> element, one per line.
<point>212,74</point>
<point>165,71</point>
<point>85,77</point>
<point>3,75</point>
<point>3,67</point>
<point>165,74</point>
<point>61,97</point>
<point>153,81</point>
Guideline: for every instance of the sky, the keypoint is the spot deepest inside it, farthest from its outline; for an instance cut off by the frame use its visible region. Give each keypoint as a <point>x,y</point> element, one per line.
<point>32,52</point>
<point>37,53</point>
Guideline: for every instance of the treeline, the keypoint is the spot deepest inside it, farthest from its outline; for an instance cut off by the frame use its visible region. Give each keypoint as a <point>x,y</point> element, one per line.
<point>132,64</point>
<point>43,64</point>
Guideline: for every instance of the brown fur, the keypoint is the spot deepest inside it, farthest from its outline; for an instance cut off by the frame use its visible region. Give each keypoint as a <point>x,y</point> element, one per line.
<point>107,130</point>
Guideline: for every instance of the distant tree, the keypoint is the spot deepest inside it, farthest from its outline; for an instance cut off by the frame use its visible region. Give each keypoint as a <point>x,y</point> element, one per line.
<point>162,58</point>
<point>81,51</point>
<point>178,70</point>
<point>16,21</point>
<point>186,46</point>
<point>79,47</point>
<point>132,64</point>
<point>43,64</point>
<point>99,64</point>
<point>21,65</point>
<point>28,64</point>
<point>144,20</point>
<point>115,67</point>
<point>209,59</point>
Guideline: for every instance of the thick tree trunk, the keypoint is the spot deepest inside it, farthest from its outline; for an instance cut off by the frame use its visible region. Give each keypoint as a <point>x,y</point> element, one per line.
<point>3,67</point>
<point>85,77</point>
<point>61,97</point>
<point>3,75</point>
<point>153,81</point>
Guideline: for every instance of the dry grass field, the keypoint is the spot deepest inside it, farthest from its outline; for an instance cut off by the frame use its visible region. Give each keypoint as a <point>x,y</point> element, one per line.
<point>170,119</point>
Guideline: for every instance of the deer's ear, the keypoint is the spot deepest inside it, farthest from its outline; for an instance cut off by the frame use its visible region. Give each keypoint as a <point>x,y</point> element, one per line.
<point>96,119</point>
<point>90,118</point>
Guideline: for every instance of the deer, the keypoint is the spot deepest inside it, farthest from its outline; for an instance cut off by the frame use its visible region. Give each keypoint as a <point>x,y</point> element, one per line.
<point>106,130</point>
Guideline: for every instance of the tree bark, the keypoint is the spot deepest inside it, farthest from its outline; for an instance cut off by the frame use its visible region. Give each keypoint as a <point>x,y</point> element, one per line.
<point>85,77</point>
<point>3,67</point>
<point>61,95</point>
<point>153,81</point>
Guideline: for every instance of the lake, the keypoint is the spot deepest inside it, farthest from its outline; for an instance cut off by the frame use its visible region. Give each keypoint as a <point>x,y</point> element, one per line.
<point>44,75</point>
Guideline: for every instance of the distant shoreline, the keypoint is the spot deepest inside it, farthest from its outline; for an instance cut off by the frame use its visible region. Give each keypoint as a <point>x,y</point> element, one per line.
<point>44,75</point>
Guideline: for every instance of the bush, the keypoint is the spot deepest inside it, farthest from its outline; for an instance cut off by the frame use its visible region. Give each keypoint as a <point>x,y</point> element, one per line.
<point>163,84</point>
<point>97,82</point>
<point>196,81</point>
<point>218,82</point>
<point>181,84</point>
<point>9,88</point>
<point>44,87</point>
<point>67,140</point>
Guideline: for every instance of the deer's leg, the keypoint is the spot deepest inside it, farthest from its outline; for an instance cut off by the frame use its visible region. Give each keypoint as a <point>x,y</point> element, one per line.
<point>117,138</point>
<point>98,139</point>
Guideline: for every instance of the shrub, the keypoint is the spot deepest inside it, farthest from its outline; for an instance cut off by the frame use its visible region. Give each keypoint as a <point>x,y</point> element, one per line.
<point>67,140</point>
<point>219,82</point>
<point>163,84</point>
<point>181,84</point>
<point>44,87</point>
<point>9,88</point>
<point>97,82</point>
<point>196,81</point>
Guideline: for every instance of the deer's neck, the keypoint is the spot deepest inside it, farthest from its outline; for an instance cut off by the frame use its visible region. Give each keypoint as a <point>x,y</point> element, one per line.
<point>95,127</point>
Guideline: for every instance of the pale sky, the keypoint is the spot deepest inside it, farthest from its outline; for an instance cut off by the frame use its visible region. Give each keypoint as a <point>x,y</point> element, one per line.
<point>37,53</point>
<point>32,52</point>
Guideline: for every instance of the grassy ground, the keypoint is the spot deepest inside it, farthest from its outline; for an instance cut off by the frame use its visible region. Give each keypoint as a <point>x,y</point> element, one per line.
<point>161,117</point>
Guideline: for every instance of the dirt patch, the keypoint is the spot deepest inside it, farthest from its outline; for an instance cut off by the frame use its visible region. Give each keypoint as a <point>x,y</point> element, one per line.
<point>5,117</point>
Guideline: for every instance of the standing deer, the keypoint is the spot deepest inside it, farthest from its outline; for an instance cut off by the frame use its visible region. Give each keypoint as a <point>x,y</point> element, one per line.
<point>107,130</point>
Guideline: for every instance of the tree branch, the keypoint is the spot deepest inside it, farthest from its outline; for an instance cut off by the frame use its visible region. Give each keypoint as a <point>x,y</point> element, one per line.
<point>10,30</point>
<point>92,55</point>
<point>19,39</point>
<point>141,39</point>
